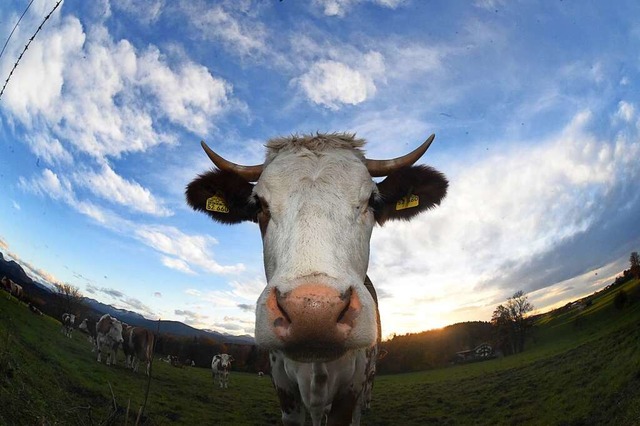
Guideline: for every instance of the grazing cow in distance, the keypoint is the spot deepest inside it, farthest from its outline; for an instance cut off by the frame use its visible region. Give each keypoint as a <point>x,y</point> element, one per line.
<point>16,290</point>
<point>6,283</point>
<point>68,321</point>
<point>109,336</point>
<point>220,366</point>
<point>34,309</point>
<point>11,287</point>
<point>138,342</point>
<point>88,326</point>
<point>316,203</point>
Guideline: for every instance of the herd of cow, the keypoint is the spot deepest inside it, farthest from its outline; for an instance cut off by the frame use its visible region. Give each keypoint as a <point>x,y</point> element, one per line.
<point>11,287</point>
<point>107,334</point>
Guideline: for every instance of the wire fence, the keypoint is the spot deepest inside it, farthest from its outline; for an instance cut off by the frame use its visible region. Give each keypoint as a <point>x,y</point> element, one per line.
<point>46,18</point>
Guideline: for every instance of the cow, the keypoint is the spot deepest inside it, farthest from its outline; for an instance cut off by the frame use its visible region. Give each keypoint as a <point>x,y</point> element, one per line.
<point>316,203</point>
<point>138,342</point>
<point>6,283</point>
<point>127,344</point>
<point>11,287</point>
<point>16,290</point>
<point>108,337</point>
<point>88,326</point>
<point>220,366</point>
<point>33,308</point>
<point>68,321</point>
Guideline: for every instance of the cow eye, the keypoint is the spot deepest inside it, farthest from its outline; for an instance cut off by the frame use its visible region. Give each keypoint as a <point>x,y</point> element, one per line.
<point>375,201</point>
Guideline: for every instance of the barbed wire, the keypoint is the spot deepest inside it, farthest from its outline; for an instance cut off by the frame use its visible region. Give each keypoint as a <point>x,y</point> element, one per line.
<point>46,18</point>
<point>14,28</point>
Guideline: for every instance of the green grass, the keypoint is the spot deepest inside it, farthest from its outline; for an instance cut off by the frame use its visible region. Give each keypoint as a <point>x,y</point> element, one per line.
<point>581,368</point>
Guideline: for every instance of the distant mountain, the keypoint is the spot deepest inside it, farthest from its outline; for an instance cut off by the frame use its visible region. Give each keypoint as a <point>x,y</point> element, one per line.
<point>171,327</point>
<point>12,270</point>
<point>34,289</point>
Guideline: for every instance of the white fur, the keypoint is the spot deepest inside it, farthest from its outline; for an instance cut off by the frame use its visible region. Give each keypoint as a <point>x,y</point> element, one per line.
<point>347,372</point>
<point>110,340</point>
<point>320,227</point>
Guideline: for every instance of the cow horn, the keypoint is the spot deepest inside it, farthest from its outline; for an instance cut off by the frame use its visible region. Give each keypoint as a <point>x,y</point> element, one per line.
<point>249,173</point>
<point>379,168</point>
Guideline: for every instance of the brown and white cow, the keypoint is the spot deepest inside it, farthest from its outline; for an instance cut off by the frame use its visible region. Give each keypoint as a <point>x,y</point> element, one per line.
<point>13,288</point>
<point>6,283</point>
<point>137,347</point>
<point>68,321</point>
<point>109,337</point>
<point>316,203</point>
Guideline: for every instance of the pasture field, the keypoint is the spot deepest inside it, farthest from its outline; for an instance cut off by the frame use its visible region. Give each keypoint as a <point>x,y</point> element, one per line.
<point>581,368</point>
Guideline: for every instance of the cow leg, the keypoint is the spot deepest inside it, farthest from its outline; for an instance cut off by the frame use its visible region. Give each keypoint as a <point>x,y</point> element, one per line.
<point>293,411</point>
<point>342,410</point>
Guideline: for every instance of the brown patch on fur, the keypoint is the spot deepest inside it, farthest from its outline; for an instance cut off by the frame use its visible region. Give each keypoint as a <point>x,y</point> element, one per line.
<point>342,409</point>
<point>104,324</point>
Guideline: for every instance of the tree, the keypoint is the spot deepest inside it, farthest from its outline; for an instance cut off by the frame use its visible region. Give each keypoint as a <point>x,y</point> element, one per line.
<point>634,259</point>
<point>70,300</point>
<point>512,323</point>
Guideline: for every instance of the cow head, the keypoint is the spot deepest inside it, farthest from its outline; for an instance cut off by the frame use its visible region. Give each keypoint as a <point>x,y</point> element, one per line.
<point>316,203</point>
<point>111,328</point>
<point>225,361</point>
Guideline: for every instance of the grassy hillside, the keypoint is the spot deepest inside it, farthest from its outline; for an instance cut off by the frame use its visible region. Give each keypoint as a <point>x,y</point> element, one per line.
<point>583,367</point>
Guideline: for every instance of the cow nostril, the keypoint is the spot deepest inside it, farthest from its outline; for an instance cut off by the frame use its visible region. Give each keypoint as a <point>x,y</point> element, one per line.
<point>351,309</point>
<point>346,298</point>
<point>283,311</point>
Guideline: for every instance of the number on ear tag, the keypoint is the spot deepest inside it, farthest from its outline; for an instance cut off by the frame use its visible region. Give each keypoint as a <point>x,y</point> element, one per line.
<point>408,202</point>
<point>217,204</point>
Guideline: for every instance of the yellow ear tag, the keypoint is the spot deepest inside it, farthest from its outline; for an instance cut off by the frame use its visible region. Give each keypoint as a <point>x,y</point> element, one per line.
<point>407,202</point>
<point>217,204</point>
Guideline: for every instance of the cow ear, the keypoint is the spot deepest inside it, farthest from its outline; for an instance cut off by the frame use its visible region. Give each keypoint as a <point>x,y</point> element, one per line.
<point>224,196</point>
<point>409,191</point>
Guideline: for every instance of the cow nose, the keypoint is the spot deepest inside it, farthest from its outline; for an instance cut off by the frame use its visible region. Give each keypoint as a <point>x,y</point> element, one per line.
<point>313,315</point>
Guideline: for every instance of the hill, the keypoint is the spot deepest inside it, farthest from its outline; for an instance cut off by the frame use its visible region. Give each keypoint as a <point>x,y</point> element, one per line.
<point>43,295</point>
<point>583,367</point>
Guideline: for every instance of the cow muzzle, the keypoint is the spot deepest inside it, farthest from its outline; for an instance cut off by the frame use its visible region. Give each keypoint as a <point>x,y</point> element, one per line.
<point>313,321</point>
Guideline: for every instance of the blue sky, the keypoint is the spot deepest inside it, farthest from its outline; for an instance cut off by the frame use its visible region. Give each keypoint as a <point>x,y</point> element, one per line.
<point>534,106</point>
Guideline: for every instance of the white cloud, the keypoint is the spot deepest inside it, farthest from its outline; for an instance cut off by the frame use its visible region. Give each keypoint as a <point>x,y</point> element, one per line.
<point>501,212</point>
<point>188,96</point>
<point>180,250</point>
<point>147,12</point>
<point>49,149</point>
<point>112,187</point>
<point>15,205</point>
<point>177,264</point>
<point>626,111</point>
<point>332,83</point>
<point>185,249</point>
<point>341,7</point>
<point>241,36</point>
<point>489,4</point>
<point>48,184</point>
<point>105,97</point>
